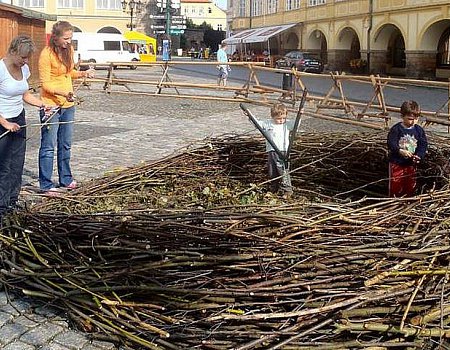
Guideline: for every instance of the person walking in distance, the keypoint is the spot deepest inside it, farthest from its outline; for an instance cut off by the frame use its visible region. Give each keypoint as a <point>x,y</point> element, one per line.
<point>223,67</point>
<point>14,91</point>
<point>56,71</point>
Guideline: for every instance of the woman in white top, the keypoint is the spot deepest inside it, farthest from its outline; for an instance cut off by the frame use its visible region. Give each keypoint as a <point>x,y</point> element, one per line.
<point>14,90</point>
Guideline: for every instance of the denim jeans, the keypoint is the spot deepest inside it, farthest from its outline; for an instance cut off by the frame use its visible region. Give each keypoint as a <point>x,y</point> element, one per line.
<point>60,136</point>
<point>278,170</point>
<point>12,158</point>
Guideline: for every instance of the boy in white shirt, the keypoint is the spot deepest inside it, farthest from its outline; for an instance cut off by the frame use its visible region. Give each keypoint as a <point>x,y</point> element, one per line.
<point>278,129</point>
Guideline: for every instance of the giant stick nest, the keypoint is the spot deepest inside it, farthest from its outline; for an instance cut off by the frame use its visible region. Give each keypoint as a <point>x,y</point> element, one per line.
<point>192,251</point>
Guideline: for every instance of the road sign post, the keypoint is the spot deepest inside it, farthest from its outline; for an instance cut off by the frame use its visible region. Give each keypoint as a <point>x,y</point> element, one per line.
<point>176,31</point>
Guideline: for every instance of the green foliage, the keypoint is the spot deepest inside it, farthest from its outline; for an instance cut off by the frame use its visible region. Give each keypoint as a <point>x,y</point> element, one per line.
<point>190,25</point>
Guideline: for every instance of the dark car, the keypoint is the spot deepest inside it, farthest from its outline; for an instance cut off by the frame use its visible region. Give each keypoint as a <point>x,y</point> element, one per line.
<point>303,61</point>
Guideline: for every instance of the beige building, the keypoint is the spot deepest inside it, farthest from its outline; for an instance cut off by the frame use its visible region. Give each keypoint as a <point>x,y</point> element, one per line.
<point>200,11</point>
<point>89,15</point>
<point>401,37</point>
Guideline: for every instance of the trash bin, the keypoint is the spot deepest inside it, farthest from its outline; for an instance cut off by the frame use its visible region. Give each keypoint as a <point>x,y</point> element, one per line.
<point>287,81</point>
<point>180,52</point>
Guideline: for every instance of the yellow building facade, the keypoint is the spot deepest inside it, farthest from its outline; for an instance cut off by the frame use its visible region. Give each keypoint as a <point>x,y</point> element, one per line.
<point>89,15</point>
<point>200,11</point>
<point>401,37</point>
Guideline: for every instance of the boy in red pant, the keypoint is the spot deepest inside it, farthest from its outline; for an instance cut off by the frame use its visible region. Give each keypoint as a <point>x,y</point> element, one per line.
<point>407,145</point>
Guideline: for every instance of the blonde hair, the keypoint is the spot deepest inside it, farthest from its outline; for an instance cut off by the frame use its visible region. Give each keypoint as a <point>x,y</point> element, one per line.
<point>277,109</point>
<point>22,45</point>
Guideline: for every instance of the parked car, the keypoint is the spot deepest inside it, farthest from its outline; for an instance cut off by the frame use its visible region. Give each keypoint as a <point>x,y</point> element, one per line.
<point>303,61</point>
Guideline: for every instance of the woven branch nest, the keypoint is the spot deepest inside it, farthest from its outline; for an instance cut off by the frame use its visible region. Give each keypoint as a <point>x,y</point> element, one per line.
<point>236,268</point>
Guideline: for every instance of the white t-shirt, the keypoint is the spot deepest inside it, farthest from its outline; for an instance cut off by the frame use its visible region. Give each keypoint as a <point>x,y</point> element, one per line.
<point>278,132</point>
<point>11,91</point>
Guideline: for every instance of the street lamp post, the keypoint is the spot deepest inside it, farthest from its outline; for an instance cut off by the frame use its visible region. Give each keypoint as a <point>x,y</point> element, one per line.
<point>132,7</point>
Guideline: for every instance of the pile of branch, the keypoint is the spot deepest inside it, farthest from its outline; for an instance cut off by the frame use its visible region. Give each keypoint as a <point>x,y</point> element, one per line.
<point>232,171</point>
<point>300,275</point>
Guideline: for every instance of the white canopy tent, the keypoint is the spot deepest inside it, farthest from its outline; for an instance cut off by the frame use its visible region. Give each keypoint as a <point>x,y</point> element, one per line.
<point>237,38</point>
<point>263,34</point>
<point>257,35</point>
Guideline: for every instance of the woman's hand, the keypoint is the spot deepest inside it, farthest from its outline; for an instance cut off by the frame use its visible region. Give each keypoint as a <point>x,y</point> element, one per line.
<point>90,73</point>
<point>70,97</point>
<point>13,127</point>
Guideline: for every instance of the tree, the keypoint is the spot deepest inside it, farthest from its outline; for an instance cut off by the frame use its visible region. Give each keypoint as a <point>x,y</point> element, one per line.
<point>211,38</point>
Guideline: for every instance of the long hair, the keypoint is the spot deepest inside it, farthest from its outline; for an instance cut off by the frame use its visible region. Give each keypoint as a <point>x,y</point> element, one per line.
<point>22,45</point>
<point>64,55</point>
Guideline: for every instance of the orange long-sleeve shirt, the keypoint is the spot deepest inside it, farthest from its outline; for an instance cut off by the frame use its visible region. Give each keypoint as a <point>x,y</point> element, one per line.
<point>54,78</point>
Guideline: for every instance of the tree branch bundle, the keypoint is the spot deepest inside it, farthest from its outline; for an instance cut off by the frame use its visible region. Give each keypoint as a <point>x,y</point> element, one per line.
<point>212,269</point>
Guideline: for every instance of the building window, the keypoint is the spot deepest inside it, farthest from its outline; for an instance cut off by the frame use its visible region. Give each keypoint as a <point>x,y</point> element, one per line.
<point>31,3</point>
<point>272,6</point>
<point>257,6</point>
<point>70,4</point>
<point>443,54</point>
<point>201,11</point>
<point>316,2</point>
<point>292,5</point>
<point>108,4</point>
<point>241,8</point>
<point>219,27</point>
<point>209,10</point>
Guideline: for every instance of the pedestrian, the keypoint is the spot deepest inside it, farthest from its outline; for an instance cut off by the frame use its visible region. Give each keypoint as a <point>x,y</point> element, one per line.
<point>14,91</point>
<point>407,145</point>
<point>222,58</point>
<point>56,71</point>
<point>278,130</point>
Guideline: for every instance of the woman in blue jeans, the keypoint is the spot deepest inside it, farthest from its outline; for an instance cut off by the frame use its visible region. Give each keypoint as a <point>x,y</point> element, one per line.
<point>56,71</point>
<point>61,137</point>
<point>14,91</point>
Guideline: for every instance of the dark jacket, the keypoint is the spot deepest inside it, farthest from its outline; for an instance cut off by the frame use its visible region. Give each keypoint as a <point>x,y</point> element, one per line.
<point>412,139</point>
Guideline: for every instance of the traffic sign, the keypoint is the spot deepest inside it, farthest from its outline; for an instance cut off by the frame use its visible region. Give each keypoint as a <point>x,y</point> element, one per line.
<point>153,26</point>
<point>161,3</point>
<point>175,4</point>
<point>176,31</point>
<point>157,16</point>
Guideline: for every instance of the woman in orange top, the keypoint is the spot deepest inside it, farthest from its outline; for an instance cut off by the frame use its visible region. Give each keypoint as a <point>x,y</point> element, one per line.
<point>56,71</point>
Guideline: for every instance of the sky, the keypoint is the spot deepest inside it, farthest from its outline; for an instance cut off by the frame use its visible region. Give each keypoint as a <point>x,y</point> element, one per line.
<point>221,3</point>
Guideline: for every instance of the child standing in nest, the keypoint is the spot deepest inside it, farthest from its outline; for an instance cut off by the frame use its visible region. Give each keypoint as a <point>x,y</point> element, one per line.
<point>407,145</point>
<point>278,129</point>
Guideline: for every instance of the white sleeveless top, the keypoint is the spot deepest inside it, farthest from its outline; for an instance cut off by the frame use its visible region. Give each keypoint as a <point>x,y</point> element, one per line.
<point>11,91</point>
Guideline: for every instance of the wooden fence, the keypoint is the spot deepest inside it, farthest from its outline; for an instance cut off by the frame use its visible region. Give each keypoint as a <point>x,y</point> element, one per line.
<point>335,105</point>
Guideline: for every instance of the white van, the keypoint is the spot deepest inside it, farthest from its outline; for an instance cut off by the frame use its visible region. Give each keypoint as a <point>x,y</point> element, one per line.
<point>102,48</point>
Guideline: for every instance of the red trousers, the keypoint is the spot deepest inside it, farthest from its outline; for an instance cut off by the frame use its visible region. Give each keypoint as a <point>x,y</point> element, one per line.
<point>402,180</point>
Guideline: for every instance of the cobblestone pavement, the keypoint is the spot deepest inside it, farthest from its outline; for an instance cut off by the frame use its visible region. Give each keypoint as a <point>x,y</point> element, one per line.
<point>112,132</point>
